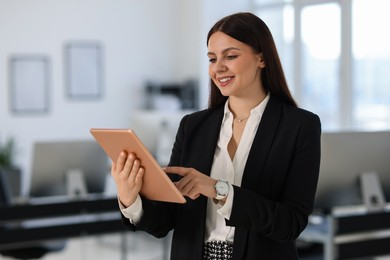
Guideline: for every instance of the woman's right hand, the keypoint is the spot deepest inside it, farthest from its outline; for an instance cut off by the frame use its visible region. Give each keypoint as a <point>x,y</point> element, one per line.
<point>128,174</point>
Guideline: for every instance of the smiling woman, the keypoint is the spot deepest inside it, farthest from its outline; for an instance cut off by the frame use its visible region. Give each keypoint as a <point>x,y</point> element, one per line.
<point>239,163</point>
<point>235,69</point>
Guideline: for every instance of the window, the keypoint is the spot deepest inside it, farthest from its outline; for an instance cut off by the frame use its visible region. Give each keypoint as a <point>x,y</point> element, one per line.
<point>335,55</point>
<point>371,64</point>
<point>320,60</point>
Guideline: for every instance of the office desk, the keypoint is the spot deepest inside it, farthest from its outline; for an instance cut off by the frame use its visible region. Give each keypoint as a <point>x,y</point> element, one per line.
<point>351,233</point>
<point>51,220</point>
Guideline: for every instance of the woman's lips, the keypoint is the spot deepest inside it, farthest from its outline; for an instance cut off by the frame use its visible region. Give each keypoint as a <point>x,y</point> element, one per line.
<point>223,81</point>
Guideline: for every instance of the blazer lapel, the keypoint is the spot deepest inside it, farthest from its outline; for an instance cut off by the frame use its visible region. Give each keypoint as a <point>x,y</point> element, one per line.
<point>261,144</point>
<point>204,141</point>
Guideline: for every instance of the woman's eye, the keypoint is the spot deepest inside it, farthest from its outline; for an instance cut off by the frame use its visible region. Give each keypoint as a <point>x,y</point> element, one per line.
<point>231,57</point>
<point>212,60</point>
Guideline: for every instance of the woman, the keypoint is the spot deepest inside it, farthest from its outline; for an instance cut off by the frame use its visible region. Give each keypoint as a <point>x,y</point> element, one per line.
<point>248,164</point>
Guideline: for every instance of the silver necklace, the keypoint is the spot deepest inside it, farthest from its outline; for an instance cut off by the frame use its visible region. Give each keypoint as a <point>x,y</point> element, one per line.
<point>240,120</point>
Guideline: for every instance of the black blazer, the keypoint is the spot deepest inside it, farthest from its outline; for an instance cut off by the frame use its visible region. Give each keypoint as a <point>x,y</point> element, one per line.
<point>271,207</point>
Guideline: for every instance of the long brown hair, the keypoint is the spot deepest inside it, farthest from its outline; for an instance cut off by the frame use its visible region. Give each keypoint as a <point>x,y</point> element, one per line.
<point>251,30</point>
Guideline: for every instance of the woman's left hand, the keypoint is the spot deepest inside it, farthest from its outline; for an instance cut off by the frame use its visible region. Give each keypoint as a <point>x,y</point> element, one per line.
<point>193,182</point>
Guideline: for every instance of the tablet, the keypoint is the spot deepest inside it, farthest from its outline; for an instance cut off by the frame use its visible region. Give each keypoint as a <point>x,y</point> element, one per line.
<point>156,183</point>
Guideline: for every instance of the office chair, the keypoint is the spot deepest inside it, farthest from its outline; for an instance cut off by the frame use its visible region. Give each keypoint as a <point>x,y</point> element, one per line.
<point>35,251</point>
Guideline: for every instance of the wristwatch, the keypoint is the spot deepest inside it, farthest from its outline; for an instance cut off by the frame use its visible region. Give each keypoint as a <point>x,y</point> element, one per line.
<point>222,188</point>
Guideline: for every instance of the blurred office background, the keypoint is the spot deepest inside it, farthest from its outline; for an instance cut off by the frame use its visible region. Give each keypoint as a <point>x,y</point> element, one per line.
<point>68,66</point>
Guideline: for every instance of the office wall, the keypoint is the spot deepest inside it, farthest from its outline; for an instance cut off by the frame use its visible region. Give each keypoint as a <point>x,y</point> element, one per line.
<point>142,40</point>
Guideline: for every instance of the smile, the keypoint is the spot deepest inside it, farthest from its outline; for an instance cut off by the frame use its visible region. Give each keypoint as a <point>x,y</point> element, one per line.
<point>224,81</point>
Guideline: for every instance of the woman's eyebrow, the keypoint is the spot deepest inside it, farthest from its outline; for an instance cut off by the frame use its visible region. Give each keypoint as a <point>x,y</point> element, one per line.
<point>224,50</point>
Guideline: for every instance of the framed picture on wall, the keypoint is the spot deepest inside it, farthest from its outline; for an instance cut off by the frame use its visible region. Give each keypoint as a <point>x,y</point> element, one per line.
<point>29,84</point>
<point>84,70</point>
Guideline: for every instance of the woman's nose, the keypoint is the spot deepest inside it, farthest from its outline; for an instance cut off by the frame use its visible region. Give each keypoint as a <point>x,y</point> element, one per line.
<point>219,67</point>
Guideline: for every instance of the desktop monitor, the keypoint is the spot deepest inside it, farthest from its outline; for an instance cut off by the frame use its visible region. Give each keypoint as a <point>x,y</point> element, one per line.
<point>54,160</point>
<point>344,156</point>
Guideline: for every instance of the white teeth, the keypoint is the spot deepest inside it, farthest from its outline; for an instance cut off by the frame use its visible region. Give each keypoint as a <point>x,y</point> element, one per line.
<point>224,80</point>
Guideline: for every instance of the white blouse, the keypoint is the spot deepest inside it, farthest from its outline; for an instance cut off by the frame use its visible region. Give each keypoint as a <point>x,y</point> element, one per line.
<point>231,170</point>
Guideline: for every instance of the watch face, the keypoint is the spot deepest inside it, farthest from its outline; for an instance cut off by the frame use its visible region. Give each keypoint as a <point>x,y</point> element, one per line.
<point>222,188</point>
